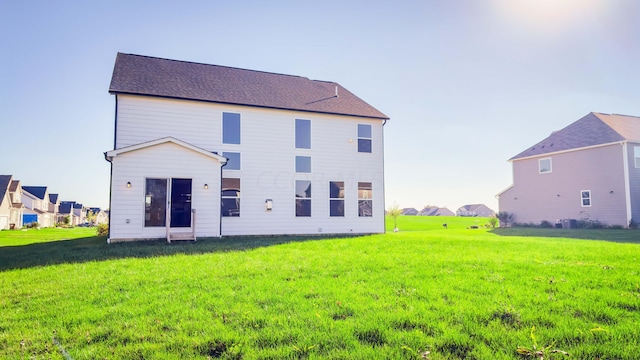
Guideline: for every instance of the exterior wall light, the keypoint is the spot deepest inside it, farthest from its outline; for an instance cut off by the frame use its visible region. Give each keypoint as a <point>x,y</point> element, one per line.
<point>268,204</point>
<point>206,186</point>
<point>128,184</point>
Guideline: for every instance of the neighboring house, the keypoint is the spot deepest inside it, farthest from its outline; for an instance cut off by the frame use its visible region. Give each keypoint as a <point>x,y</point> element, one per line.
<point>79,213</point>
<point>17,211</point>
<point>65,210</point>
<point>54,206</point>
<point>409,211</point>
<point>100,216</point>
<point>590,170</point>
<point>480,210</point>
<point>5,201</point>
<point>209,150</point>
<point>36,202</point>
<point>435,211</point>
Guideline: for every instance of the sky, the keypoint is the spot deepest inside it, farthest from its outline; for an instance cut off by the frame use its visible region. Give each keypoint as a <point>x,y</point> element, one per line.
<point>467,84</point>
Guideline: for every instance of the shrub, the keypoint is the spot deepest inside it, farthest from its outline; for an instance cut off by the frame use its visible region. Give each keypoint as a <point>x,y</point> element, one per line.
<point>102,229</point>
<point>506,218</point>
<point>493,221</point>
<point>546,224</point>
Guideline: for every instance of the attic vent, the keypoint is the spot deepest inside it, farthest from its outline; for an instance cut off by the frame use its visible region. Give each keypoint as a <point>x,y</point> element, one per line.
<point>336,95</point>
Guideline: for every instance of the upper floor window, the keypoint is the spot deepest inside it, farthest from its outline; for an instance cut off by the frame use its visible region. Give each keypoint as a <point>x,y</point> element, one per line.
<point>364,138</point>
<point>336,198</point>
<point>303,164</point>
<point>636,155</point>
<point>303,198</point>
<point>233,160</point>
<point>365,202</point>
<point>544,165</point>
<point>585,198</point>
<point>230,205</point>
<point>303,134</point>
<point>230,128</point>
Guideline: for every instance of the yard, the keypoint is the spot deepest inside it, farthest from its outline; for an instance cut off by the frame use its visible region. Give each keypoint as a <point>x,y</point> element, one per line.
<point>424,292</point>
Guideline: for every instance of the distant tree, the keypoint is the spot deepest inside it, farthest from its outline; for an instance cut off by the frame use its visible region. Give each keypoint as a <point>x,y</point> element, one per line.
<point>394,212</point>
<point>91,217</point>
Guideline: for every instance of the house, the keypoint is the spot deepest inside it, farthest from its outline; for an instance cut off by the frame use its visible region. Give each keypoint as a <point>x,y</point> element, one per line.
<point>66,213</point>
<point>589,170</point>
<point>5,201</point>
<point>36,202</point>
<point>480,210</point>
<point>79,213</point>
<point>99,216</point>
<point>17,210</point>
<point>409,211</point>
<point>54,206</point>
<point>435,211</point>
<point>205,151</point>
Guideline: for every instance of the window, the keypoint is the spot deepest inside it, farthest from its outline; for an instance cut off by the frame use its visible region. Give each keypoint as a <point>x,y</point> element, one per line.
<point>544,165</point>
<point>336,198</point>
<point>303,134</point>
<point>303,164</point>
<point>233,160</point>
<point>636,155</point>
<point>365,204</point>
<point>585,198</point>
<point>364,138</point>
<point>155,202</point>
<point>230,197</point>
<point>303,198</point>
<point>230,128</point>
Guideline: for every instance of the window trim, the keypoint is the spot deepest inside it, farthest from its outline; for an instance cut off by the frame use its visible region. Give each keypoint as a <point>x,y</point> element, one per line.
<point>309,198</point>
<point>540,166</point>
<point>146,195</point>
<point>295,134</point>
<point>636,156</point>
<point>340,198</point>
<point>238,196</point>
<point>239,128</point>
<point>370,138</point>
<point>299,171</point>
<point>239,160</point>
<point>365,199</point>
<point>582,198</point>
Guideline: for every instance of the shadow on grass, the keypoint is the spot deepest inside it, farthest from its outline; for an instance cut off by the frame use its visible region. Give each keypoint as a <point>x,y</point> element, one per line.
<point>612,235</point>
<point>96,249</point>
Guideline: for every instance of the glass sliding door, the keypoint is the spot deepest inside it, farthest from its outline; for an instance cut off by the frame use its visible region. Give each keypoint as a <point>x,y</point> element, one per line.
<point>155,202</point>
<point>180,202</point>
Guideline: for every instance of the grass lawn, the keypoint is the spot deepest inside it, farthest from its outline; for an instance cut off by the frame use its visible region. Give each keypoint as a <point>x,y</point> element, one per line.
<point>424,292</point>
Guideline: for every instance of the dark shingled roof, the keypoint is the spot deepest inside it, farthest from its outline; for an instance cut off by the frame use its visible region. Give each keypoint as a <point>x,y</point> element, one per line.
<point>37,191</point>
<point>53,198</point>
<point>593,129</point>
<point>144,75</point>
<point>5,180</point>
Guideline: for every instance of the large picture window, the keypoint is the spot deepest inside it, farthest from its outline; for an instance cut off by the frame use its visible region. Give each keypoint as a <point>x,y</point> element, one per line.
<point>585,198</point>
<point>155,202</point>
<point>365,202</point>
<point>230,128</point>
<point>230,197</point>
<point>303,134</point>
<point>336,198</point>
<point>303,198</point>
<point>544,165</point>
<point>364,138</point>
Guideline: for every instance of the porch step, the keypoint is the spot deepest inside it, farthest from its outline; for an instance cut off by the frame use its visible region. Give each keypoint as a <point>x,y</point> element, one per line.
<point>182,236</point>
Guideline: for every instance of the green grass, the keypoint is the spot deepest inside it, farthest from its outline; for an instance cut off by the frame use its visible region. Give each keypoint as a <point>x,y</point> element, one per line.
<point>457,293</point>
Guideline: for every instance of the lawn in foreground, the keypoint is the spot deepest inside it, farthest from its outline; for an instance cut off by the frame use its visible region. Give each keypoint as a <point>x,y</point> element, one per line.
<point>457,293</point>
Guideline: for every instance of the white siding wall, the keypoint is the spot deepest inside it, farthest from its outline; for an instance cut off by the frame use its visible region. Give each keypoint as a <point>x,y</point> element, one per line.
<point>268,158</point>
<point>162,161</point>
<point>556,195</point>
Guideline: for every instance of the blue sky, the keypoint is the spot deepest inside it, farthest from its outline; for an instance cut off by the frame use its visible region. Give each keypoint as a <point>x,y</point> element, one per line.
<point>467,83</point>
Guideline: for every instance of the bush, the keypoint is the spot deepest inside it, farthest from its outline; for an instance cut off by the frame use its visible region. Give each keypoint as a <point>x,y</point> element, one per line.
<point>102,229</point>
<point>545,224</point>
<point>506,218</point>
<point>493,221</point>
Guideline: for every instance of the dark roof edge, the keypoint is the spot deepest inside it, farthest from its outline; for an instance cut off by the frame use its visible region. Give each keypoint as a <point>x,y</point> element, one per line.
<point>248,105</point>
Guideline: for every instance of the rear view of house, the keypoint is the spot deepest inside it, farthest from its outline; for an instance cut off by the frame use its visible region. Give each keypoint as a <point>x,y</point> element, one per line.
<point>204,151</point>
<point>588,171</point>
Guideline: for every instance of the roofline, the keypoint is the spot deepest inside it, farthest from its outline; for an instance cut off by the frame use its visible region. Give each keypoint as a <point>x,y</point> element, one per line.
<point>248,105</point>
<point>109,155</point>
<point>568,150</point>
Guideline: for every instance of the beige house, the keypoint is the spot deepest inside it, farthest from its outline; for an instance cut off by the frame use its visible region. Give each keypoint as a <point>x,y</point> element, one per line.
<point>588,171</point>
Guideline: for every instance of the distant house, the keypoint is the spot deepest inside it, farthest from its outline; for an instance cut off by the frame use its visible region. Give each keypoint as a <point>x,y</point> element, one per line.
<point>480,210</point>
<point>206,150</point>
<point>100,216</point>
<point>409,211</point>
<point>65,211</point>
<point>589,170</point>
<point>5,201</point>
<point>17,211</point>
<point>54,206</point>
<point>36,202</point>
<point>435,211</point>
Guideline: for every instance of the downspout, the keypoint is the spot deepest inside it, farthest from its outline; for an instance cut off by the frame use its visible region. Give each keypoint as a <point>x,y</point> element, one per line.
<point>384,192</point>
<point>115,132</point>
<point>627,186</point>
<point>220,207</point>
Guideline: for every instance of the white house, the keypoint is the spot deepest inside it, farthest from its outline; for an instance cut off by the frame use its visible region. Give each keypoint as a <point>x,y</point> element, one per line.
<point>210,151</point>
<point>36,202</point>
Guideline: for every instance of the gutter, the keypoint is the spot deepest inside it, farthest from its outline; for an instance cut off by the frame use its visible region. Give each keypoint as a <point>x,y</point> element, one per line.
<point>220,194</point>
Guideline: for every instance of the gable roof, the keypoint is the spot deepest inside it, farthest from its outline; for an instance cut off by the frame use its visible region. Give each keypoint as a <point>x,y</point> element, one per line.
<point>5,180</point>
<point>37,191</point>
<point>53,198</point>
<point>145,75</point>
<point>65,207</point>
<point>109,155</point>
<point>591,130</point>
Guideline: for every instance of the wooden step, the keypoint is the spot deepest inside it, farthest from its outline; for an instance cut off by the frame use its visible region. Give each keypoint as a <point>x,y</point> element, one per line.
<point>182,236</point>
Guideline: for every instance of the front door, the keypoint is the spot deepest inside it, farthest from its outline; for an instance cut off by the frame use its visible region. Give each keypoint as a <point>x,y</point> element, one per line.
<point>180,202</point>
